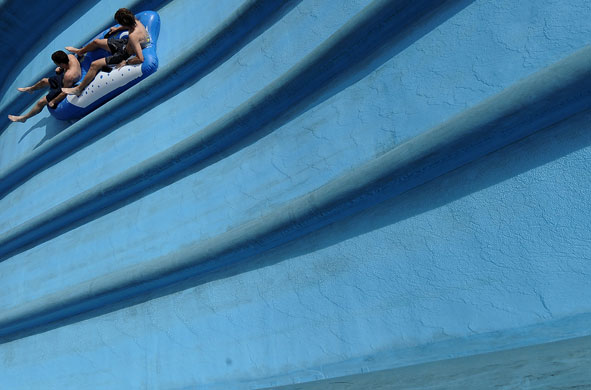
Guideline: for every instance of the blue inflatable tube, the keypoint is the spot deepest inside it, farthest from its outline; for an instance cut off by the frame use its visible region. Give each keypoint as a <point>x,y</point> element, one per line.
<point>107,85</point>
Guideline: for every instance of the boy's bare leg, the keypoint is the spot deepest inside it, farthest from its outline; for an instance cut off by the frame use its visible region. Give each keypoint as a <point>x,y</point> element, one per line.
<point>95,44</point>
<point>43,83</point>
<point>95,67</point>
<point>34,111</point>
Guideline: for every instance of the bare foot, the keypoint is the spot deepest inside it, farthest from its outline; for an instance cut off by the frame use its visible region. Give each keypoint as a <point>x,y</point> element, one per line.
<point>73,49</point>
<point>15,118</point>
<point>25,89</point>
<point>72,91</point>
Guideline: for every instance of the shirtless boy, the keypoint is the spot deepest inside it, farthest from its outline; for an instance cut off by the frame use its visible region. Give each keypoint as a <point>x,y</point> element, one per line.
<point>120,48</point>
<point>67,74</point>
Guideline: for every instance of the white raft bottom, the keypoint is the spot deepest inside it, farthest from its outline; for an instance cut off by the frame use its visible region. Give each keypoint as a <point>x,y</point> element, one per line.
<point>105,83</point>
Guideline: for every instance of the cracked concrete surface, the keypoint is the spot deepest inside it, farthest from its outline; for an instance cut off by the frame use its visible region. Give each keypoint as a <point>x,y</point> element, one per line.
<point>496,247</point>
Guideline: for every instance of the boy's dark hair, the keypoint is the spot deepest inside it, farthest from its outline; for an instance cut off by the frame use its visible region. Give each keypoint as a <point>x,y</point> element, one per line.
<point>59,57</point>
<point>124,17</point>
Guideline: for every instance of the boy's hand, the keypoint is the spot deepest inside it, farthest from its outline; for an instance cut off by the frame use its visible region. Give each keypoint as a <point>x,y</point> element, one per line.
<point>112,30</point>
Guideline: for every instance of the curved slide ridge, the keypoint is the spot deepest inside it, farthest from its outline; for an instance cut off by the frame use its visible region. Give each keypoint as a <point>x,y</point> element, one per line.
<point>21,29</point>
<point>305,194</point>
<point>517,112</point>
<point>193,63</point>
<point>350,44</point>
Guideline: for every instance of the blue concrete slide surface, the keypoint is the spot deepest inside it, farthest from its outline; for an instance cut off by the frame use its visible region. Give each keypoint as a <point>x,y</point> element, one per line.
<point>307,194</point>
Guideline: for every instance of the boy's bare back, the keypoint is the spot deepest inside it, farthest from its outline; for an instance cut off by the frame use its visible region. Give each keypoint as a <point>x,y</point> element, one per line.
<point>140,35</point>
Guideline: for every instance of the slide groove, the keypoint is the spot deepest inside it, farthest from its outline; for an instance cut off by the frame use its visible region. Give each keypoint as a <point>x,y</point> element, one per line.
<point>546,98</point>
<point>354,42</point>
<point>196,61</point>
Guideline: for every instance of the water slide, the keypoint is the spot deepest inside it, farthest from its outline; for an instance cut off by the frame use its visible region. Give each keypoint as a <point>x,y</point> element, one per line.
<point>307,194</point>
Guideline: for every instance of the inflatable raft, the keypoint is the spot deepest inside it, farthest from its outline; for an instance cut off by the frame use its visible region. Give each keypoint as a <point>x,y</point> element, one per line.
<point>107,85</point>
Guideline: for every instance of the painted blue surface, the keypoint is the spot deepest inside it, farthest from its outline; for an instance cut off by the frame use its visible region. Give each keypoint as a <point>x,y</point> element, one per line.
<point>25,31</point>
<point>495,123</point>
<point>196,60</point>
<point>486,250</point>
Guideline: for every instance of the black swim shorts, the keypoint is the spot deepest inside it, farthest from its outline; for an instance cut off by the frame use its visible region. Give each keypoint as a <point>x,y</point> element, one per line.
<point>55,84</point>
<point>117,46</point>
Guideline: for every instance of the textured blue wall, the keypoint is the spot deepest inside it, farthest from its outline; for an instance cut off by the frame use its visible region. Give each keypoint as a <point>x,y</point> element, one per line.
<point>306,190</point>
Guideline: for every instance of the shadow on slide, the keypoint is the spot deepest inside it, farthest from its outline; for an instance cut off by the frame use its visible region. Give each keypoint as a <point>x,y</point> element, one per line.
<point>52,128</point>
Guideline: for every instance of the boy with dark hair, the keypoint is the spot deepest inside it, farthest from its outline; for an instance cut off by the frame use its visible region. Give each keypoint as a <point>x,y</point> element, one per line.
<point>125,17</point>
<point>120,48</point>
<point>67,74</point>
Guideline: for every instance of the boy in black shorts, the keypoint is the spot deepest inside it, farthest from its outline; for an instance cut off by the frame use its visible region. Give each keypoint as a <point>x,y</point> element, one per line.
<point>120,48</point>
<point>67,74</point>
<point>117,47</point>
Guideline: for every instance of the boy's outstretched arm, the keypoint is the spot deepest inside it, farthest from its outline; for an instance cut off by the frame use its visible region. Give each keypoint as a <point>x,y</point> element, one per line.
<point>114,30</point>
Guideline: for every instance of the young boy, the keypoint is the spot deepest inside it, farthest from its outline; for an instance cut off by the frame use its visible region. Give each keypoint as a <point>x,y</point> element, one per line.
<point>120,49</point>
<point>67,74</point>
